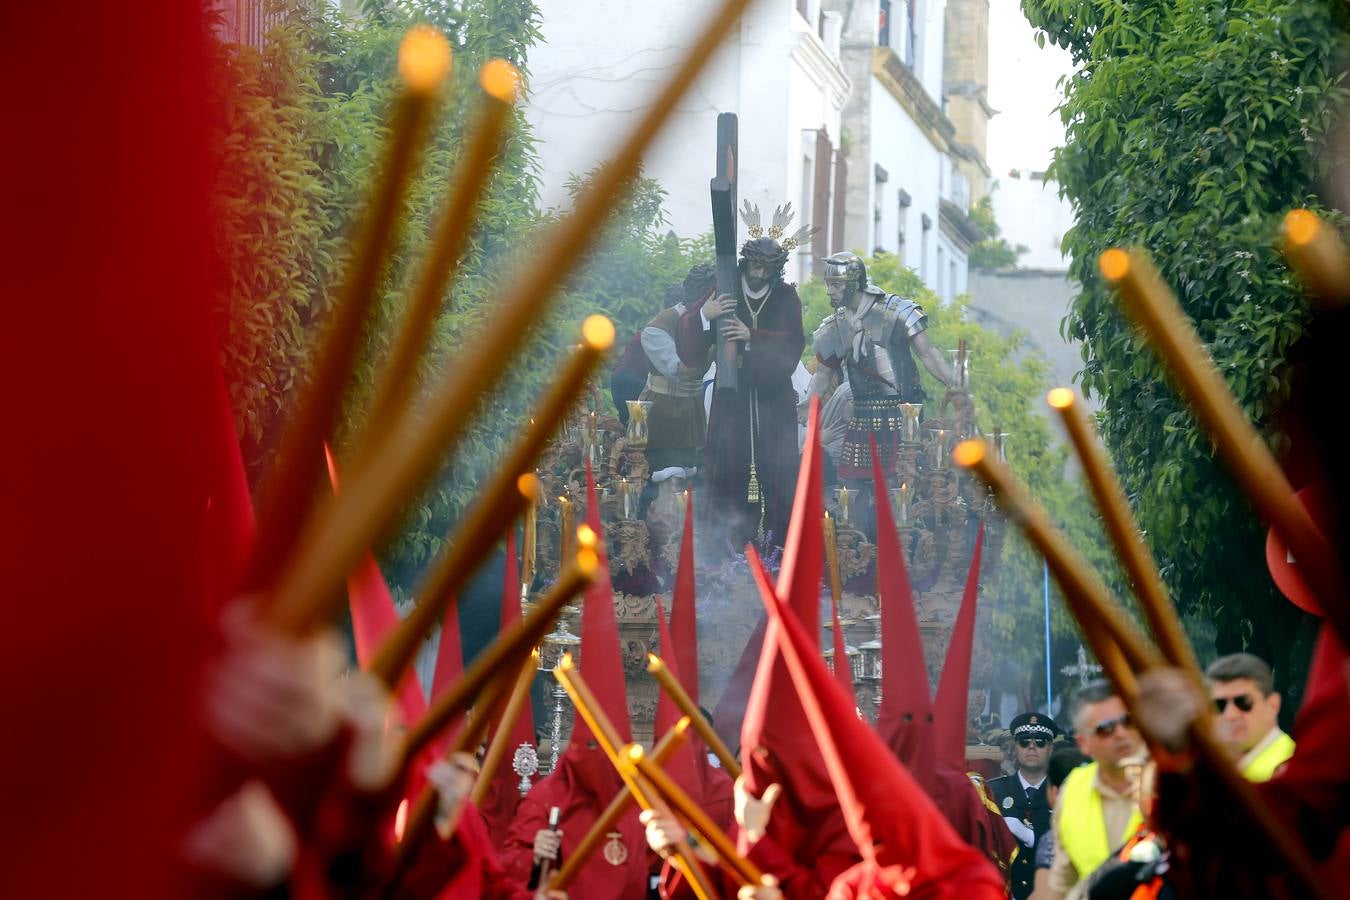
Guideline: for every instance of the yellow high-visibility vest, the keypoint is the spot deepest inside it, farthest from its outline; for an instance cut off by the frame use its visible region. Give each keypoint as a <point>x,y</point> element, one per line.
<point>1269,759</point>
<point>1082,830</point>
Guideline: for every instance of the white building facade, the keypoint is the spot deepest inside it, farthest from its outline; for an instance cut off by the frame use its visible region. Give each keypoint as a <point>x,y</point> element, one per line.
<point>906,194</point>
<point>600,62</point>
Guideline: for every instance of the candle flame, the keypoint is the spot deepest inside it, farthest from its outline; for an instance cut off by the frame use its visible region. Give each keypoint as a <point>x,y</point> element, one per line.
<point>635,753</point>
<point>423,58</point>
<point>969,453</point>
<point>1114,263</point>
<point>1059,398</point>
<point>500,80</point>
<point>1301,226</point>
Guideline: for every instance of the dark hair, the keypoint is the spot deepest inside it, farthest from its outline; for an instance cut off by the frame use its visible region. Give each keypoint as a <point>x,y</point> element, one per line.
<point>765,252</point>
<point>1242,665</point>
<point>1062,762</point>
<point>1092,692</point>
<point>697,283</point>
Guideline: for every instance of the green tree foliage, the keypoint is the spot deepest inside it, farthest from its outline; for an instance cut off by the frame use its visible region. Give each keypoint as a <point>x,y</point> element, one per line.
<point>1192,127</point>
<point>305,119</point>
<point>994,252</point>
<point>1008,380</point>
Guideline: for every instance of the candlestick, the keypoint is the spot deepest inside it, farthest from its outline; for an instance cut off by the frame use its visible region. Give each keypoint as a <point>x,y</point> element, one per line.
<point>566,516</point>
<point>1116,643</point>
<point>529,551</point>
<point>676,692</point>
<point>940,447</point>
<point>909,422</point>
<point>901,497</point>
<point>637,422</point>
<point>344,527</point>
<point>689,810</point>
<point>510,645</point>
<point>1139,565</point>
<point>1239,445</point>
<point>832,558</point>
<point>287,492</point>
<point>608,738</point>
<point>1318,256</point>
<point>496,752</point>
<point>671,743</point>
<point>500,85</point>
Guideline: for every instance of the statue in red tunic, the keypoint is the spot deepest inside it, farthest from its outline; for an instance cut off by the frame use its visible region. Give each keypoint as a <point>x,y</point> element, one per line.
<point>751,455</point>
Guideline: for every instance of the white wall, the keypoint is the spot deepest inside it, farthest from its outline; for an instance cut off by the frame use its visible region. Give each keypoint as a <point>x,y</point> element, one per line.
<point>600,62</point>
<point>1029,211</point>
<point>914,165</point>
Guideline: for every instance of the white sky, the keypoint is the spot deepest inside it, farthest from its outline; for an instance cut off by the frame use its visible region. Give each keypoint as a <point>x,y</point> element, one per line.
<point>1023,88</point>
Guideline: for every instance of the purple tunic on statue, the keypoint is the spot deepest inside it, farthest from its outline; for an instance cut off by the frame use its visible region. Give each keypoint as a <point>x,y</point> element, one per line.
<point>766,398</point>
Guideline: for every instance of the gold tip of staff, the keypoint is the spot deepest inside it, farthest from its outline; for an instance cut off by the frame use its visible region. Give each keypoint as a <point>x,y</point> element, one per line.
<point>969,453</point>
<point>588,561</point>
<point>423,58</point>
<point>1301,227</point>
<point>598,332</point>
<point>500,80</point>
<point>1114,263</point>
<point>528,485</point>
<point>586,537</point>
<point>1060,398</point>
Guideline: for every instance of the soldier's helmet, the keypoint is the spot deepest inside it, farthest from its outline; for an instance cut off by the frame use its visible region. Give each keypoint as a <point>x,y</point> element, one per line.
<point>847,267</point>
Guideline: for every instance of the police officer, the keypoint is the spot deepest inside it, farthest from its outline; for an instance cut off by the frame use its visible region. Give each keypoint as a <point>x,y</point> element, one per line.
<point>1021,796</point>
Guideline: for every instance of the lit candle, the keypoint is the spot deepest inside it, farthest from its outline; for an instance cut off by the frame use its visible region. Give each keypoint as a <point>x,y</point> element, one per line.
<point>565,528</point>
<point>529,551</point>
<point>843,504</point>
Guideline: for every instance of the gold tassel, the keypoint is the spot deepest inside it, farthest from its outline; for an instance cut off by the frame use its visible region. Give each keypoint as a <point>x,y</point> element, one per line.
<point>752,487</point>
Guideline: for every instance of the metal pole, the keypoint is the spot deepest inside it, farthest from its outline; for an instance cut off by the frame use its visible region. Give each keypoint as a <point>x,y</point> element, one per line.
<point>1046,586</point>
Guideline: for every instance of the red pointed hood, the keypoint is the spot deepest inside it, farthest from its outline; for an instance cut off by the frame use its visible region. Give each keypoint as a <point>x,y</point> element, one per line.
<point>904,843</point>
<point>500,803</point>
<point>804,550</point>
<point>682,765</point>
<point>683,619</point>
<point>374,617</point>
<point>230,524</point>
<point>905,719</point>
<point>776,741</point>
<point>950,710</point>
<point>601,664</point>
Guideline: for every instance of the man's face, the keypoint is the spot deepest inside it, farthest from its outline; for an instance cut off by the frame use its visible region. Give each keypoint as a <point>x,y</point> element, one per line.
<point>1104,733</point>
<point>837,288</point>
<point>1242,729</point>
<point>756,275</point>
<point>1033,753</point>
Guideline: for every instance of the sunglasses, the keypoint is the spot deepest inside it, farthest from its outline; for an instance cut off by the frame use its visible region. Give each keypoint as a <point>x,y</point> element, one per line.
<point>1032,742</point>
<point>1243,702</point>
<point>1108,728</point>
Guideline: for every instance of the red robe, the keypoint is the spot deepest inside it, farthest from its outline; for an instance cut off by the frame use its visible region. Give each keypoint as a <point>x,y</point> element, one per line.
<point>465,867</point>
<point>582,786</point>
<point>767,364</point>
